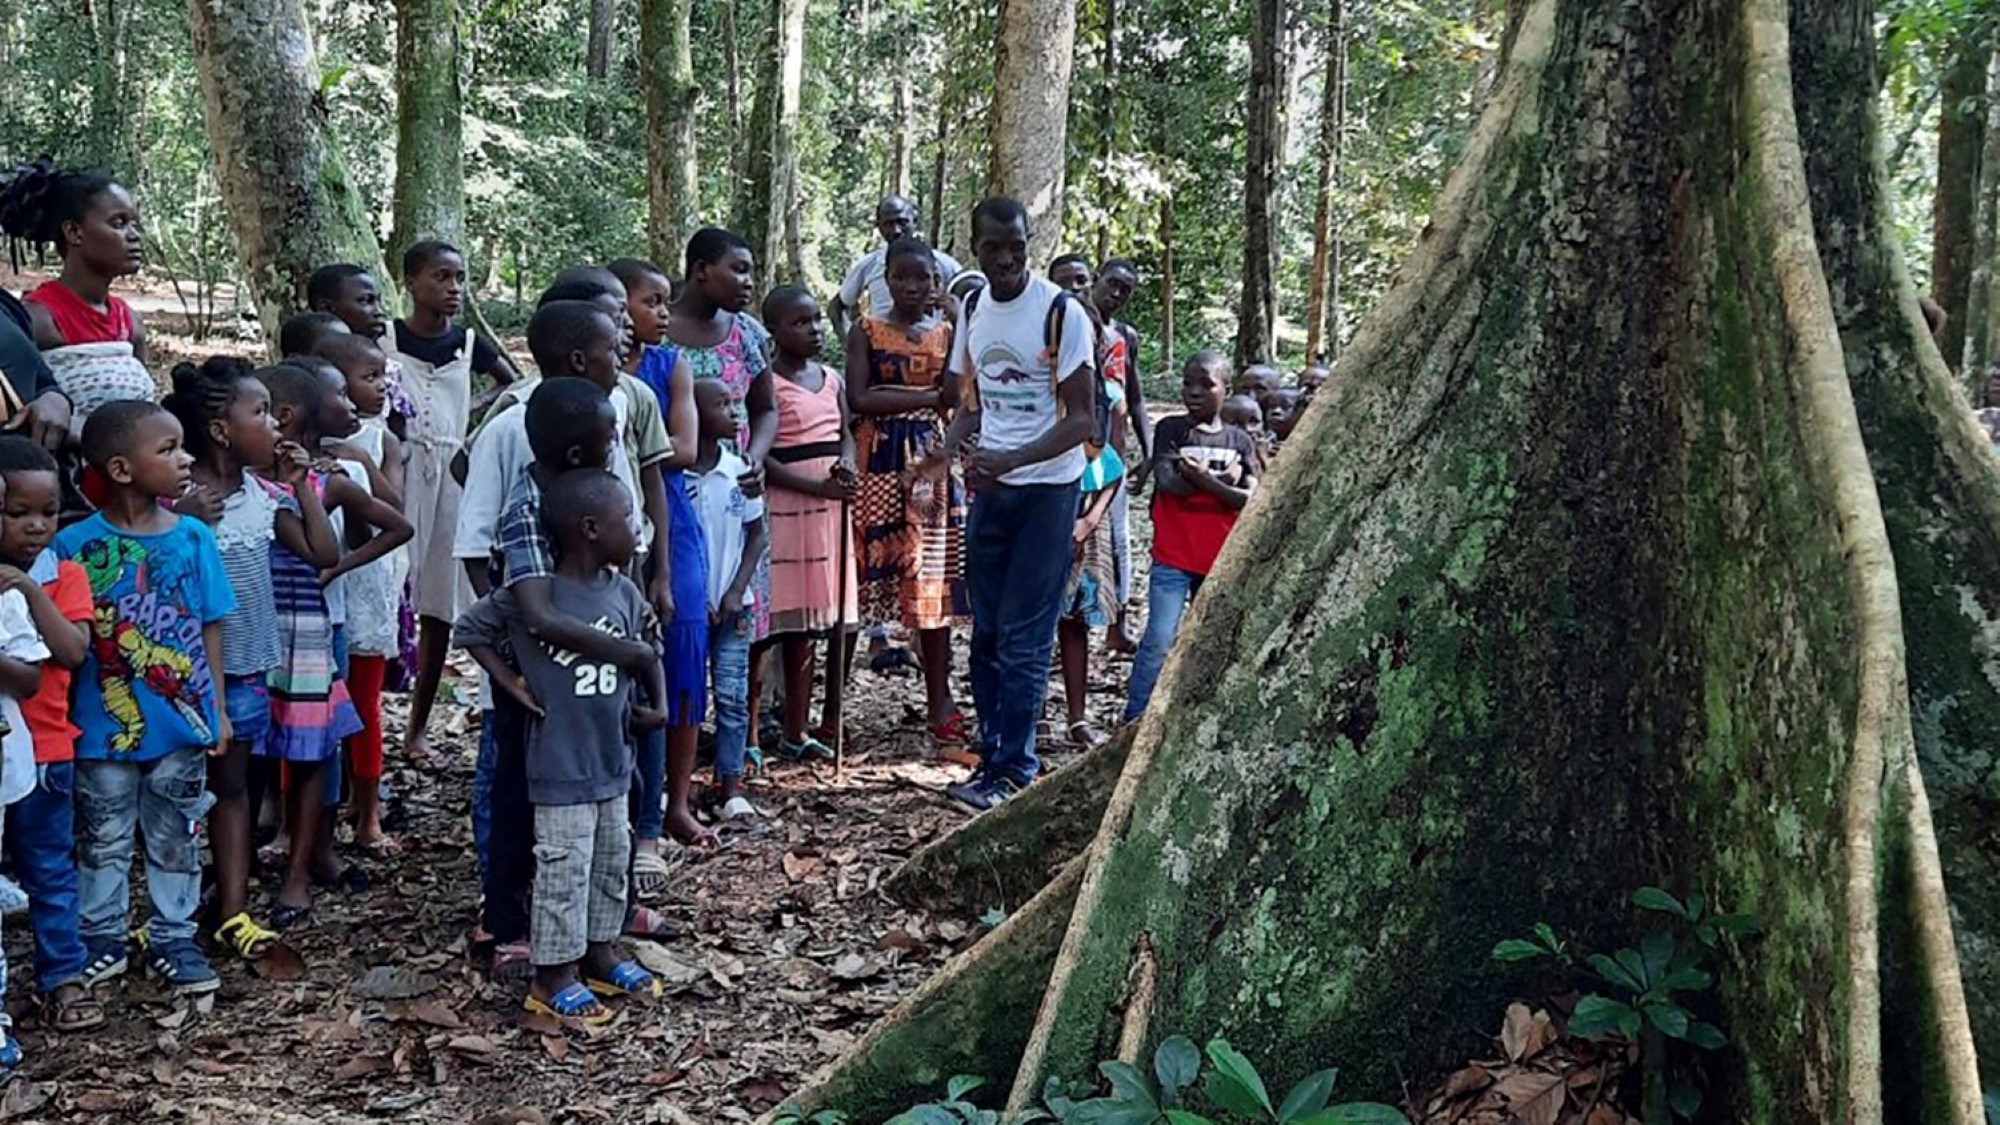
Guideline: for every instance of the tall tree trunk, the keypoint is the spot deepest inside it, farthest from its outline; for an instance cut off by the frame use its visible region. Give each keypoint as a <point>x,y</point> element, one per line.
<point>1323,297</point>
<point>1166,284</point>
<point>1030,118</point>
<point>901,133</point>
<point>601,42</point>
<point>289,201</point>
<point>732,71</point>
<point>115,111</point>
<point>430,161</point>
<point>1618,604</point>
<point>1257,312</point>
<point>753,202</point>
<point>1980,302</point>
<point>1107,131</point>
<point>940,170</point>
<point>780,258</point>
<point>1954,206</point>
<point>666,70</point>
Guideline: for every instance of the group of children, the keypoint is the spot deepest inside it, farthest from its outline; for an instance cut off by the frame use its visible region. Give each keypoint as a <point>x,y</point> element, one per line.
<point>678,490</point>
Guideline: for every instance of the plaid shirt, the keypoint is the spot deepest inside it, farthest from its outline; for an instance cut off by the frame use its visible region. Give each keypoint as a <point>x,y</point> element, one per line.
<point>521,548</point>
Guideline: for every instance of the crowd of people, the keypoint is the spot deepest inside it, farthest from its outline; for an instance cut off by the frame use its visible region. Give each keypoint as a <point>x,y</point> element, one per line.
<point>203,597</point>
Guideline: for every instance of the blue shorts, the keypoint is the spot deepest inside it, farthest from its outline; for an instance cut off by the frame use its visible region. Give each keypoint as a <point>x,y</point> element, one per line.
<point>248,702</point>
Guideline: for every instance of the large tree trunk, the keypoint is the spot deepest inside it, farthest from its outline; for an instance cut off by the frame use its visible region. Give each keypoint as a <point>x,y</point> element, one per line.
<point>782,258</point>
<point>1579,581</point>
<point>1107,131</point>
<point>1961,135</point>
<point>732,73</point>
<point>753,193</point>
<point>601,42</point>
<point>1323,296</point>
<point>1257,310</point>
<point>1980,305</point>
<point>430,160</point>
<point>115,112</point>
<point>666,70</point>
<point>289,201</point>
<point>1030,118</point>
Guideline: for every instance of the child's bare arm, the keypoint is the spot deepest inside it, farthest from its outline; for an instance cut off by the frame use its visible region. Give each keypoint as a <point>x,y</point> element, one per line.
<point>393,527</point>
<point>392,471</point>
<point>308,533</point>
<point>211,643</point>
<point>68,641</point>
<point>551,626</point>
<point>19,678</point>
<point>504,677</point>
<point>653,482</point>
<point>746,568</point>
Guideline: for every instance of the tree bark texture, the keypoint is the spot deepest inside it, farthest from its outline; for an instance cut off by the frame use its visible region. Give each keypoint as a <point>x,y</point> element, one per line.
<point>753,199</point>
<point>430,153</point>
<point>1323,293</point>
<point>902,133</point>
<point>601,42</point>
<point>1257,310</point>
<point>1030,116</point>
<point>1954,206</point>
<point>1940,492</point>
<point>1979,297</point>
<point>115,113</point>
<point>1580,580</point>
<point>1167,284</point>
<point>290,203</point>
<point>666,71</point>
<point>783,257</point>
<point>1107,131</point>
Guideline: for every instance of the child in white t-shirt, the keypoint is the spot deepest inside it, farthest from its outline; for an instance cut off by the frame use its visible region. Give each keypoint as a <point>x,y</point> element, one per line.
<point>732,523</point>
<point>21,655</point>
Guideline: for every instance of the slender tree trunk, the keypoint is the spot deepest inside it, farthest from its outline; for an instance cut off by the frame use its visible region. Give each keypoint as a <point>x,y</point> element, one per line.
<point>430,163</point>
<point>601,44</point>
<point>1954,207</point>
<point>732,69</point>
<point>901,134</point>
<point>1107,131</point>
<point>754,194</point>
<point>1323,298</point>
<point>666,70</point>
<point>115,111</point>
<point>286,192</point>
<point>1030,117</point>
<point>782,243</point>
<point>1980,303</point>
<point>1257,312</point>
<point>1166,283</point>
<point>1618,604</point>
<point>940,170</point>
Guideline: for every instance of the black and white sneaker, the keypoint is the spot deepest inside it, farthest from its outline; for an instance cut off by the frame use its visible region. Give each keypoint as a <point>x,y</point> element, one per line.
<point>983,791</point>
<point>105,963</point>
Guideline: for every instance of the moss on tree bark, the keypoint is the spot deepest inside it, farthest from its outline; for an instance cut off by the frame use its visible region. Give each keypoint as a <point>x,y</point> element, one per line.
<point>1579,580</point>
<point>430,161</point>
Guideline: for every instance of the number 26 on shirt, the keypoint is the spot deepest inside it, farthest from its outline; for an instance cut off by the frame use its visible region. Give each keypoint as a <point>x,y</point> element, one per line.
<point>596,679</point>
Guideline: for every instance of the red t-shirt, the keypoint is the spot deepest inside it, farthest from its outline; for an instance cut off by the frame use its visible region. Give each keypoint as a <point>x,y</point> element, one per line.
<point>47,712</point>
<point>1188,531</point>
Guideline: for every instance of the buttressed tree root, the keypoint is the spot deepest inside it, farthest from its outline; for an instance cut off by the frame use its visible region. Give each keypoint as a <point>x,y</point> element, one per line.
<point>1578,579</point>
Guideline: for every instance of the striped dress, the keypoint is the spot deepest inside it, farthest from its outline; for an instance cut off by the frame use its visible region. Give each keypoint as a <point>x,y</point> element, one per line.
<point>311,711</point>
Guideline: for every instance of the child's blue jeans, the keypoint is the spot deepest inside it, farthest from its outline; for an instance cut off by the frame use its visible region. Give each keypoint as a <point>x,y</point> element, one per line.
<point>1169,591</point>
<point>649,785</point>
<point>482,791</point>
<point>165,798</point>
<point>1017,561</point>
<point>41,834</point>
<point>729,686</point>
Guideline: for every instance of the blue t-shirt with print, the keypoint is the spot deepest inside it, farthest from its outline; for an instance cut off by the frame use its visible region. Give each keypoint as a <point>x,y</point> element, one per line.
<point>145,689</point>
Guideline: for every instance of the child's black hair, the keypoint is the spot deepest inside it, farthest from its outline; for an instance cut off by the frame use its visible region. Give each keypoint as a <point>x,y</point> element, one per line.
<point>202,392</point>
<point>327,283</point>
<point>293,383</point>
<point>712,244</point>
<point>111,428</point>
<point>1069,260</point>
<point>563,414</point>
<point>337,348</point>
<point>20,455</point>
<point>561,327</point>
<point>37,199</point>
<point>782,298</point>
<point>575,496</point>
<point>632,271</point>
<point>581,283</point>
<point>912,247</point>
<point>302,332</point>
<point>998,209</point>
<point>421,254</point>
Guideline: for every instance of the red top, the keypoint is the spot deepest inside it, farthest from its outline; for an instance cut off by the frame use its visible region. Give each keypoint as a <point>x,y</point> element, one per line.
<point>47,711</point>
<point>1115,362</point>
<point>1188,531</point>
<point>78,321</point>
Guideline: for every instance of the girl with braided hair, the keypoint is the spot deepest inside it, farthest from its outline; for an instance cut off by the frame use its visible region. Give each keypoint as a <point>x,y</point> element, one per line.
<point>93,341</point>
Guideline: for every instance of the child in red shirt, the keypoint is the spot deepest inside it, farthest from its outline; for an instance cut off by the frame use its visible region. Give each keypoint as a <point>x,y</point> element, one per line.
<point>1204,472</point>
<point>41,826</point>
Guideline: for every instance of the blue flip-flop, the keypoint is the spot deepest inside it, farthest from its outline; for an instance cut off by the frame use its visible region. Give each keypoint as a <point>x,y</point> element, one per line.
<point>574,1002</point>
<point>627,978</point>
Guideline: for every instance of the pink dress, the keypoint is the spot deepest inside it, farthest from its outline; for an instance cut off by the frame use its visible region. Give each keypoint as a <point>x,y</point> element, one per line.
<point>807,561</point>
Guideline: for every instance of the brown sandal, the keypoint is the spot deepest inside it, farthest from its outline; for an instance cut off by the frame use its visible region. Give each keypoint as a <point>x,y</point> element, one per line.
<point>72,1007</point>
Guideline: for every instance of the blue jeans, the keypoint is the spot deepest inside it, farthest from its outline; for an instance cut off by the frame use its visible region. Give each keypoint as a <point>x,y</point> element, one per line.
<point>166,799</point>
<point>41,834</point>
<point>1017,560</point>
<point>1169,591</point>
<point>649,785</point>
<point>482,791</point>
<point>729,686</point>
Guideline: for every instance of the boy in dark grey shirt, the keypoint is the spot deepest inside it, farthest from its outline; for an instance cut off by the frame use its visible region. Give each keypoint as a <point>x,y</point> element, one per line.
<point>580,756</point>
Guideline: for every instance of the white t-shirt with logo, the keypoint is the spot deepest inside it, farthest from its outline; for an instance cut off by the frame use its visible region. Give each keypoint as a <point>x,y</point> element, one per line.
<point>1003,347</point>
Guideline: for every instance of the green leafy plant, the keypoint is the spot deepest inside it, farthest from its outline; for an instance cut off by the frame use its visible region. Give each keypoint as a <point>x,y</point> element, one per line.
<point>1184,1088</point>
<point>1652,991</point>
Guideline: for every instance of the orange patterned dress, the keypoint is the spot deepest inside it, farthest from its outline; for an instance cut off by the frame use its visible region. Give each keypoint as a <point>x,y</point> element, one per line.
<point>911,532</point>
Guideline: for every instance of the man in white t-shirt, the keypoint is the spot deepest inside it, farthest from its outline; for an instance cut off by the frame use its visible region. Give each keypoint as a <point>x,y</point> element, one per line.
<point>895,218</point>
<point>1029,418</point>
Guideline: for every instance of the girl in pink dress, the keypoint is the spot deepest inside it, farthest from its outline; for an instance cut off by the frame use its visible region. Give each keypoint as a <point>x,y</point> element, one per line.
<point>812,482</point>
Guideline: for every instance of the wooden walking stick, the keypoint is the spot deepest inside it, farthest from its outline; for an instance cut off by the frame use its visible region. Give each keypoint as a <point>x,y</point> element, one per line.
<point>837,659</point>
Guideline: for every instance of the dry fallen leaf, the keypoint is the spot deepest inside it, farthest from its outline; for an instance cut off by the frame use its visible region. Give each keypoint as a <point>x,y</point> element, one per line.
<point>1525,1034</point>
<point>429,1012</point>
<point>556,1047</point>
<point>280,963</point>
<point>1535,1098</point>
<point>472,1045</point>
<point>799,867</point>
<point>360,1066</point>
<point>854,966</point>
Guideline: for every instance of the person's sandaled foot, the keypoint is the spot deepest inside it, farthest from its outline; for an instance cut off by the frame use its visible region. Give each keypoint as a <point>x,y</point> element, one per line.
<point>10,1055</point>
<point>626,978</point>
<point>242,936</point>
<point>645,922</point>
<point>575,1002</point>
<point>285,918</point>
<point>652,875</point>
<point>1085,735</point>
<point>688,832</point>
<point>72,1006</point>
<point>418,749</point>
<point>739,808</point>
<point>382,846</point>
<point>808,749</point>
<point>512,961</point>
<point>898,662</point>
